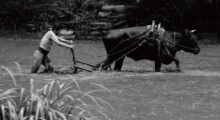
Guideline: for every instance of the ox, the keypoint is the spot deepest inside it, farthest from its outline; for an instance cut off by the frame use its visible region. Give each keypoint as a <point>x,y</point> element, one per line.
<point>134,43</point>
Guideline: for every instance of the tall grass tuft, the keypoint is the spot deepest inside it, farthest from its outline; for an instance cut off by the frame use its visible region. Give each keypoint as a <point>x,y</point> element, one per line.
<point>55,101</point>
<point>18,66</point>
<point>11,74</point>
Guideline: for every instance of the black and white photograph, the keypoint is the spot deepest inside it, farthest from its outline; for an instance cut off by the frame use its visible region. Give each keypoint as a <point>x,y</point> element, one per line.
<point>109,60</point>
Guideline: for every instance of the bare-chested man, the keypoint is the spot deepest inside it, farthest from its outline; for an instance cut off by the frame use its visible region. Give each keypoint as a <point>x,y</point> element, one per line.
<point>40,55</point>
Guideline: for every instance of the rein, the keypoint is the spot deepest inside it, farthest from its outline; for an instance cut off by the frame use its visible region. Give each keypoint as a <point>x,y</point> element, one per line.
<point>175,43</point>
<point>139,45</point>
<point>125,48</point>
<point>127,40</point>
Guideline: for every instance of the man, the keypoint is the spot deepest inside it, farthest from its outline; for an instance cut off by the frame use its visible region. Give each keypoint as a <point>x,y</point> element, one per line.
<point>40,55</point>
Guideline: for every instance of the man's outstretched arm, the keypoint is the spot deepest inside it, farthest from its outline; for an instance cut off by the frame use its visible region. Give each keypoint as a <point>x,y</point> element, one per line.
<point>58,42</point>
<point>64,40</point>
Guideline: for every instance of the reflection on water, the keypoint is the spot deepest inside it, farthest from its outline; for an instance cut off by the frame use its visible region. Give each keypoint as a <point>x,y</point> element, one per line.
<point>21,51</point>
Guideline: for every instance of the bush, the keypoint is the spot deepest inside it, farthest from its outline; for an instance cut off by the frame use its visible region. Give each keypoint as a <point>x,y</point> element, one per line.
<point>55,101</point>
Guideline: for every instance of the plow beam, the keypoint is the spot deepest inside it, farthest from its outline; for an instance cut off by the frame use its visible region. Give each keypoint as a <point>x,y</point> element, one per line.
<point>77,67</point>
<point>85,63</point>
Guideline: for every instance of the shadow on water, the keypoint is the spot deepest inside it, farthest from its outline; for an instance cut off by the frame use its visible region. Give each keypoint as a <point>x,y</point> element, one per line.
<point>137,71</point>
<point>69,71</point>
<point>165,70</point>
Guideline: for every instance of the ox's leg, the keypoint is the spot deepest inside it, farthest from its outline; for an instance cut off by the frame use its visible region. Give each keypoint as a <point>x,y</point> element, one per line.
<point>107,64</point>
<point>177,62</point>
<point>157,66</point>
<point>118,64</point>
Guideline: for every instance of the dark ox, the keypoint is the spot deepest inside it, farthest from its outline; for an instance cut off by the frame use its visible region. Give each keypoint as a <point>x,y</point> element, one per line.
<point>118,45</point>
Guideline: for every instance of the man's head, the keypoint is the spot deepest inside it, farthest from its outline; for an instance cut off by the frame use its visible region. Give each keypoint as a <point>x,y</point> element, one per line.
<point>55,30</point>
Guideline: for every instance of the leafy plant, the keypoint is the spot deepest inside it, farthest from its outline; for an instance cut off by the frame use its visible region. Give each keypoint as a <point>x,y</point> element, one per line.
<point>55,101</point>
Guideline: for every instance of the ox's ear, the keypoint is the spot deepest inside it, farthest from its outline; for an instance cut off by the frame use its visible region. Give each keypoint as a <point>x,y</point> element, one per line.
<point>186,31</point>
<point>193,31</point>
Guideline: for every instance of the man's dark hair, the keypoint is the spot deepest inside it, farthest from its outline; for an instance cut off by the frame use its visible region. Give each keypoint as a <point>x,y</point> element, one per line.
<point>56,29</point>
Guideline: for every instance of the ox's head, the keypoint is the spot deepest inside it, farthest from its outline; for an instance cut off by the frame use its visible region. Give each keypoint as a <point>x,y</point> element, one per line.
<point>188,42</point>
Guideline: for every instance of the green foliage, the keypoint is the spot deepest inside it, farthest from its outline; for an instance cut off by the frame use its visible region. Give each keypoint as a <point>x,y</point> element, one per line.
<point>38,14</point>
<point>175,14</point>
<point>55,101</point>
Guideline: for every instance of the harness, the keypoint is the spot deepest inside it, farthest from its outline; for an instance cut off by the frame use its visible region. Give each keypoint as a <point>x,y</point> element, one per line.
<point>174,43</point>
<point>154,32</point>
<point>139,45</point>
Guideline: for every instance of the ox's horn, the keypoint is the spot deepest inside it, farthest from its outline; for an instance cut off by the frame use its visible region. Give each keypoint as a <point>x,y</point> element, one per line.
<point>192,31</point>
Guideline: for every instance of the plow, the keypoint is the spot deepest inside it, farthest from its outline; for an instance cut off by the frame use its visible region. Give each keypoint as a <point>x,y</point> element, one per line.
<point>80,65</point>
<point>149,42</point>
<point>76,64</point>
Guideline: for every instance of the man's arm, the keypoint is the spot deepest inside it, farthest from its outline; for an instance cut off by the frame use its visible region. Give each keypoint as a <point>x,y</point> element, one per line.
<point>64,40</point>
<point>56,40</point>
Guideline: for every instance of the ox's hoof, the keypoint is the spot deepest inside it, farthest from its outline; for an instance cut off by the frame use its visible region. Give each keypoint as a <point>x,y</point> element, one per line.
<point>178,70</point>
<point>117,70</point>
<point>172,70</point>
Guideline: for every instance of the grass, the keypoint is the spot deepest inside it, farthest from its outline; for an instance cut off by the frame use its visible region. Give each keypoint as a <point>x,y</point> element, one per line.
<point>55,101</point>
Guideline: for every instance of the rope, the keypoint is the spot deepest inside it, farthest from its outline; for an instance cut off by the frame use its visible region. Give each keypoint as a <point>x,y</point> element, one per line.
<point>87,46</point>
<point>127,40</point>
<point>124,48</point>
<point>115,46</point>
<point>138,47</point>
<point>124,55</point>
<point>179,45</point>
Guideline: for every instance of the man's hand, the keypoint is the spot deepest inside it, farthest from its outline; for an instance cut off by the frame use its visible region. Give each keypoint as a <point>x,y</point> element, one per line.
<point>71,42</point>
<point>71,46</point>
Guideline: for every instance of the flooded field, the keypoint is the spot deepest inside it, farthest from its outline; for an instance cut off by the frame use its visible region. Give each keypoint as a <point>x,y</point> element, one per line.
<point>139,93</point>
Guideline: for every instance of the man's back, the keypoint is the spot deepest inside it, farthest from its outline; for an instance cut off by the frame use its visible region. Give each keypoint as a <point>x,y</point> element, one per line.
<point>46,41</point>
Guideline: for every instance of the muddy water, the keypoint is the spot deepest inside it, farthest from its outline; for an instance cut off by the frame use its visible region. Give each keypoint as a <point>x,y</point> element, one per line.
<point>139,93</point>
<point>21,51</point>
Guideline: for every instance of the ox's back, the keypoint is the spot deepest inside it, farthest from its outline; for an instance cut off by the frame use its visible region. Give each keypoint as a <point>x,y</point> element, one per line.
<point>130,32</point>
<point>116,36</point>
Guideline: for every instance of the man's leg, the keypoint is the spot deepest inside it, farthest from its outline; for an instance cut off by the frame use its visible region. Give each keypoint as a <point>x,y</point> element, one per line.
<point>38,57</point>
<point>46,63</point>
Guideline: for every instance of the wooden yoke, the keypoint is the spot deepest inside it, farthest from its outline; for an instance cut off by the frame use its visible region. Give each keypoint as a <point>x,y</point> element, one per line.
<point>155,34</point>
<point>158,27</point>
<point>153,26</point>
